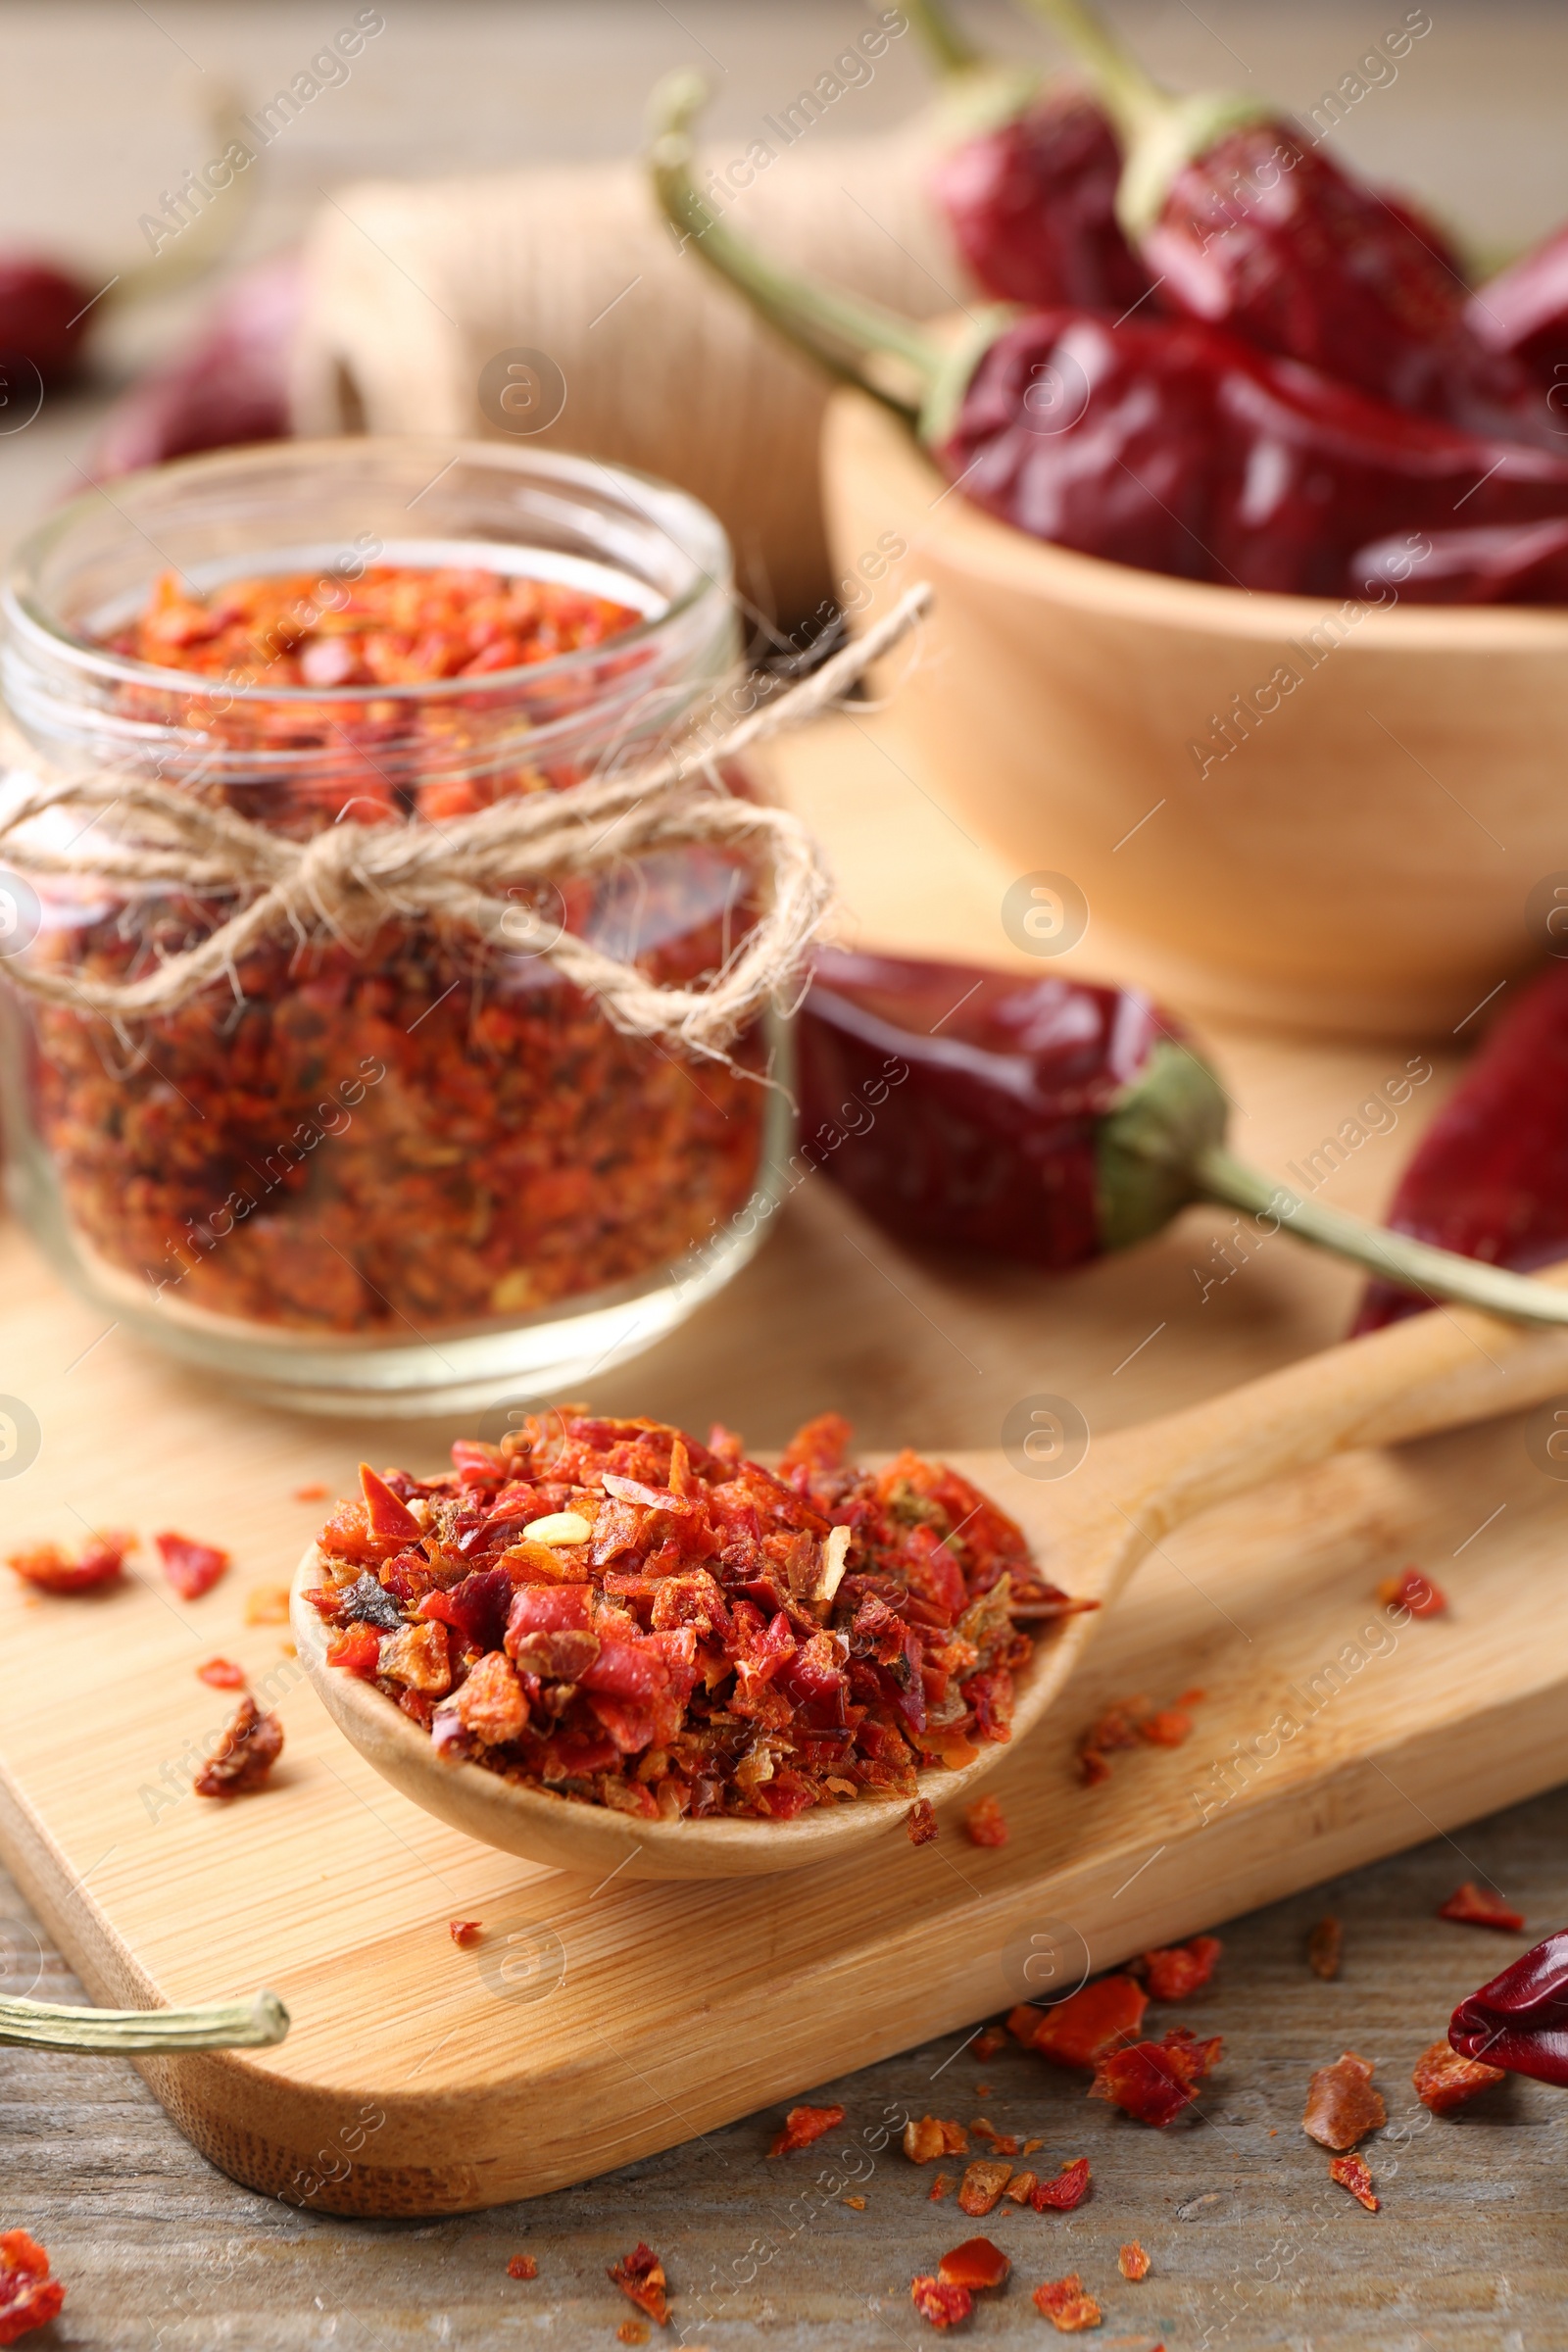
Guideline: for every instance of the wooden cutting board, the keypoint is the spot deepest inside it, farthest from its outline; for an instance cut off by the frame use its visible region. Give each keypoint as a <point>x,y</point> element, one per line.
<point>595,2024</point>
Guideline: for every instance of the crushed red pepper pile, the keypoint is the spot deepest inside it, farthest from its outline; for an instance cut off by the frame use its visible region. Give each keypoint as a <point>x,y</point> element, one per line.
<point>614,1611</point>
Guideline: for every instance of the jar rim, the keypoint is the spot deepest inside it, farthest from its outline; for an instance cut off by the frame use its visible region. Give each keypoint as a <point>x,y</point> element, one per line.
<point>24,615</point>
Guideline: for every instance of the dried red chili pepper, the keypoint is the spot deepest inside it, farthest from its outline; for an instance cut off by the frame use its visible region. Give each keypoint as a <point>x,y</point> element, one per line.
<point>245,1755</point>
<point>29,2297</point>
<point>1342,2106</point>
<point>1245,221</point>
<point>1413,1589</point>
<point>804,2125</point>
<point>1068,2189</point>
<point>1488,1178</point>
<point>1079,2030</point>
<point>694,1633</point>
<point>522,2265</point>
<point>943,2306</point>
<point>1177,1970</point>
<point>977,2263</point>
<point>985,1824</point>
<point>1132,2262</point>
<point>1519,2019</point>
<point>1443,2080</point>
<point>100,1561</point>
<point>1049,1122</point>
<point>1323,1948</point>
<point>1475,1908</point>
<point>640,2275</point>
<point>223,1674</point>
<point>1064,2302</point>
<point>1155,2080</point>
<point>1522,314</point>
<point>192,1568</point>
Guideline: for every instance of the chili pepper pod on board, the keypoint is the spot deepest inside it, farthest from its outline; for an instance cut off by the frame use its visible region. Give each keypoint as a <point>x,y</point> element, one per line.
<point>1166,444</point>
<point>1027,182</point>
<point>1244,221</point>
<point>1490,1177</point>
<point>1520,2020</point>
<point>1050,1122</point>
<point>1523,314</point>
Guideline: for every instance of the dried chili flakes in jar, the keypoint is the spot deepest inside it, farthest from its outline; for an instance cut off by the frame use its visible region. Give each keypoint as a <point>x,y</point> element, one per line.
<point>1475,1908</point>
<point>1342,2106</point>
<point>29,2297</point>
<point>804,2125</point>
<point>611,1609</point>
<point>640,2275</point>
<point>1443,2080</point>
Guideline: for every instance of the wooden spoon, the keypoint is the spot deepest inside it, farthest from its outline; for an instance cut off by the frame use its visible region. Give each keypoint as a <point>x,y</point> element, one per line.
<point>1090,1529</point>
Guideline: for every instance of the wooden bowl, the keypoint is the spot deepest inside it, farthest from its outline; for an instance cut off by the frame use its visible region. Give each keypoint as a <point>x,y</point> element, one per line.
<point>1361,861</point>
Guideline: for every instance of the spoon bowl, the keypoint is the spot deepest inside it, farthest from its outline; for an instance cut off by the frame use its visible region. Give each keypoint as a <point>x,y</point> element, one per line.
<point>1088,1529</point>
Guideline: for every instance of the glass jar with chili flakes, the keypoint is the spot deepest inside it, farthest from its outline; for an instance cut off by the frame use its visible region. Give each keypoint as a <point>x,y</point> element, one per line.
<point>376,1156</point>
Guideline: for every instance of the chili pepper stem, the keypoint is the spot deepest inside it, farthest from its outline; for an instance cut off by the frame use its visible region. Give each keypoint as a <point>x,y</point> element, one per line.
<point>846,333</point>
<point>1394,1257</point>
<point>250,2024</point>
<point>952,51</point>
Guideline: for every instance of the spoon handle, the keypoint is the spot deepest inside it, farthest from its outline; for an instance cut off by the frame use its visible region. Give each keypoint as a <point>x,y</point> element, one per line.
<point>117,2032</point>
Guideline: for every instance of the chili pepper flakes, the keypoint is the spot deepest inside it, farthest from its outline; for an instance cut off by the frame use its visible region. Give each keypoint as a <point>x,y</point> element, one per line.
<point>1155,2080</point>
<point>982,2185</point>
<point>100,1562</point>
<point>640,2275</point>
<point>804,2125</point>
<point>993,2040</point>
<point>465,1932</point>
<point>1130,1723</point>
<point>1342,2106</point>
<point>1081,2030</point>
<point>985,1824</point>
<point>632,2331</point>
<point>921,1822</point>
<point>29,2297</point>
<point>1443,2080</point>
<point>926,2137</point>
<point>522,2265</point>
<point>1475,1908</point>
<point>1176,1971</point>
<point>1030,2146</point>
<point>222,1673</point>
<point>192,1568</point>
<point>856,2204</point>
<point>1132,2262</point>
<point>1064,2302</point>
<point>942,2306</point>
<point>1068,2189</point>
<point>244,1756</point>
<point>267,1604</point>
<point>1413,1589</point>
<point>977,2264</point>
<point>1350,2173</point>
<point>1020,2188</point>
<point>1001,2144</point>
<point>939,2188</point>
<point>682,1643</point>
<point>316,1491</point>
<point>1324,1947</point>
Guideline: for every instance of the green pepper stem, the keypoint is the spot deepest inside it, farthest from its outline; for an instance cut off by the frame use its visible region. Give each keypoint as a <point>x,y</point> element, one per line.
<point>119,2033</point>
<point>1394,1257</point>
<point>842,332</point>
<point>952,51</point>
<point>1132,98</point>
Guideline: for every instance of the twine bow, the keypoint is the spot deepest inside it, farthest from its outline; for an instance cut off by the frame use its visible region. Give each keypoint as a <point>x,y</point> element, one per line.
<point>350,876</point>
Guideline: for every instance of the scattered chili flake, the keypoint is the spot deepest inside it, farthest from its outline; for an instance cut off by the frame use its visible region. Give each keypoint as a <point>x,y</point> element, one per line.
<point>982,2185</point>
<point>1352,2173</point>
<point>1475,1908</point>
<point>1323,1947</point>
<point>941,2305</point>
<point>1414,1590</point>
<point>465,1932</point>
<point>642,1623</point>
<point>222,1673</point>
<point>522,2266</point>
<point>984,1823</point>
<point>939,2188</point>
<point>1064,2304</point>
<point>632,2331</point>
<point>267,1604</point>
<point>1155,2080</point>
<point>29,2297</point>
<point>1342,2106</point>
<point>1079,2030</point>
<point>244,1756</point>
<point>1127,1723</point>
<point>316,1492</point>
<point>1001,2144</point>
<point>982,2090</point>
<point>977,2264</point>
<point>993,2040</point>
<point>921,1822</point>
<point>1132,2262</point>
<point>1177,1970</point>
<point>856,2203</point>
<point>641,2276</point>
<point>801,2125</point>
<point>1021,2186</point>
<point>192,1568</point>
<point>926,2137</point>
<point>100,1561</point>
<point>1443,2080</point>
<point>1069,2189</point>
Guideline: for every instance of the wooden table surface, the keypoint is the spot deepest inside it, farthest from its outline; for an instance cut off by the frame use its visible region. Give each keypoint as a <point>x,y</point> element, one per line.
<point>1251,2247</point>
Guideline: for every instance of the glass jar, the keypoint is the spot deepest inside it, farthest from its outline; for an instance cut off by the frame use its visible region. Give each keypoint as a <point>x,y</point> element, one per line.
<point>403,1169</point>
